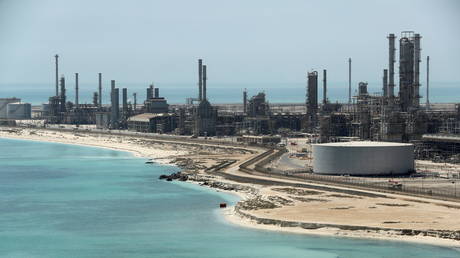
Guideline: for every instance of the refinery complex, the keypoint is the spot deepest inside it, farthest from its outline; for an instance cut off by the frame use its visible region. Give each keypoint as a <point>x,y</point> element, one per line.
<point>395,114</point>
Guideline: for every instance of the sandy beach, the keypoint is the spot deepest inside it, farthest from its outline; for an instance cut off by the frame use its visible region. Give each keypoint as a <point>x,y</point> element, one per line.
<point>308,209</point>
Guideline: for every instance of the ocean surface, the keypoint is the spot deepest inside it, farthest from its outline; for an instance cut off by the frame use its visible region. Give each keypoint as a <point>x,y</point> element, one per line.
<point>440,92</point>
<point>60,200</point>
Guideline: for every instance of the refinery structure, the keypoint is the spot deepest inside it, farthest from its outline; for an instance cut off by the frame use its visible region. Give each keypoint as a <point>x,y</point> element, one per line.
<point>395,114</point>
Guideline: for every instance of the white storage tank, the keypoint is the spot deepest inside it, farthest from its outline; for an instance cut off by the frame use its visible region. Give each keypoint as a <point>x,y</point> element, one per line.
<point>363,158</point>
<point>3,103</point>
<point>18,111</point>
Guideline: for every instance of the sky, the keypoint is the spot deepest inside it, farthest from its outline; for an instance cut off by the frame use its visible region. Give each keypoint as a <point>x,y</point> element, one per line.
<point>241,41</point>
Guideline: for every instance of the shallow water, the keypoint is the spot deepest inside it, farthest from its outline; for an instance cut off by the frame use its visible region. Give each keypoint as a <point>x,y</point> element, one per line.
<point>62,200</point>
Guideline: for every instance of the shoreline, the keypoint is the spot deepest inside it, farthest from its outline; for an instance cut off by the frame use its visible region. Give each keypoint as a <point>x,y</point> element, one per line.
<point>165,156</point>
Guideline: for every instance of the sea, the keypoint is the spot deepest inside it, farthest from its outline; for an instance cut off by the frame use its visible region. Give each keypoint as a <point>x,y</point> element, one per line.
<point>177,93</point>
<point>59,200</point>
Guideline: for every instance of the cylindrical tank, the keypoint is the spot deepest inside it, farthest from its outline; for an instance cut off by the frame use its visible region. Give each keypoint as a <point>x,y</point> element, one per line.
<point>3,103</point>
<point>18,111</point>
<point>363,158</point>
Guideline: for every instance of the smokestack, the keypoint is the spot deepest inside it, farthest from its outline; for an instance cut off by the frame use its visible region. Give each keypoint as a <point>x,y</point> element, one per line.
<point>63,97</point>
<point>157,92</point>
<point>100,90</point>
<point>76,90</point>
<point>115,106</point>
<point>95,99</point>
<point>385,83</point>
<point>324,86</point>
<point>416,96</point>
<point>312,99</point>
<point>204,82</point>
<point>245,101</point>
<point>57,76</point>
<point>135,101</point>
<point>200,79</point>
<point>428,82</point>
<point>349,80</point>
<point>391,65</point>
<point>125,101</point>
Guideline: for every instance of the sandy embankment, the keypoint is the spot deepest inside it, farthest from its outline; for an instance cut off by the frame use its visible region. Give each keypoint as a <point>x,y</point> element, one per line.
<point>139,147</point>
<point>283,203</point>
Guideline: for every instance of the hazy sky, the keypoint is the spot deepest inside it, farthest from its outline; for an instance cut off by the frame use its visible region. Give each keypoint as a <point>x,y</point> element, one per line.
<point>241,41</point>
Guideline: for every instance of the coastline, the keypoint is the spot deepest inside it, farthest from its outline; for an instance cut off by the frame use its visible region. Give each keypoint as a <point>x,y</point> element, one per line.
<point>167,154</point>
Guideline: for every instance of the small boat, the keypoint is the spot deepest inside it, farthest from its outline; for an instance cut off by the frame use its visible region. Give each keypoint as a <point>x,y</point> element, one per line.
<point>223,205</point>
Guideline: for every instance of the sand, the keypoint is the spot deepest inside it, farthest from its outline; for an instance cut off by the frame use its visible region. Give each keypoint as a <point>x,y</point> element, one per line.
<point>327,207</point>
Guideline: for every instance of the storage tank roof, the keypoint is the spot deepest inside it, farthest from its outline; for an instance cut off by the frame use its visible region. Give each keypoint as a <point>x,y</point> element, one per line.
<point>364,144</point>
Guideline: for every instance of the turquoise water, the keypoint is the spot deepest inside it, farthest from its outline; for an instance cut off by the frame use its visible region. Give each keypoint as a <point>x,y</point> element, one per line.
<point>176,93</point>
<point>60,200</point>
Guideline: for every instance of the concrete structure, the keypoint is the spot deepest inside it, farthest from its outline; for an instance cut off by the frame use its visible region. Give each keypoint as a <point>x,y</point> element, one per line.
<point>102,120</point>
<point>152,123</point>
<point>363,158</point>
<point>3,105</point>
<point>18,111</point>
<point>263,139</point>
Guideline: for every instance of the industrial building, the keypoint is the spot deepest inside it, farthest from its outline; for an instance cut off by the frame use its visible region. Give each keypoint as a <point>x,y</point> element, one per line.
<point>363,158</point>
<point>394,114</point>
<point>3,106</point>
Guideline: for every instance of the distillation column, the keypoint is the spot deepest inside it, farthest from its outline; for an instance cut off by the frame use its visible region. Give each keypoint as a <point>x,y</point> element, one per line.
<point>76,91</point>
<point>416,86</point>
<point>200,79</point>
<point>391,66</point>
<point>428,82</point>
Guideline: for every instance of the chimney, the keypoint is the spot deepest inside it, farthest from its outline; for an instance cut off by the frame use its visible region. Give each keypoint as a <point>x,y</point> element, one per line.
<point>349,80</point>
<point>76,90</point>
<point>125,101</point>
<point>245,101</point>
<point>95,99</point>
<point>324,86</point>
<point>204,82</point>
<point>200,80</point>
<point>115,106</point>
<point>63,97</point>
<point>57,76</point>
<point>100,90</point>
<point>135,101</point>
<point>385,83</point>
